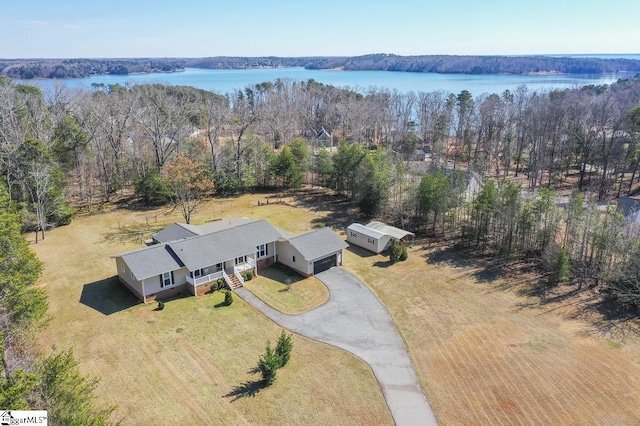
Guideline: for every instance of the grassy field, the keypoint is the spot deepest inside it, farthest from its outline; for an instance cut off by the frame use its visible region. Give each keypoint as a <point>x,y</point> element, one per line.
<point>192,360</point>
<point>485,352</point>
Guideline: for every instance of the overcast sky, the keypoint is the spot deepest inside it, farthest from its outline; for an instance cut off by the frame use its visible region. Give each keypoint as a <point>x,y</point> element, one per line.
<point>189,28</point>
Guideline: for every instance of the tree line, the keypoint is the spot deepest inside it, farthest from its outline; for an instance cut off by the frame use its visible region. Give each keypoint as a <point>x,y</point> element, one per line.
<point>28,382</point>
<point>26,69</point>
<point>449,64</point>
<point>180,144</point>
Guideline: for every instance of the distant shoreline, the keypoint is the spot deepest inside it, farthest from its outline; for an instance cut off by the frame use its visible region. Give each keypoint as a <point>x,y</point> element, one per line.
<point>27,69</point>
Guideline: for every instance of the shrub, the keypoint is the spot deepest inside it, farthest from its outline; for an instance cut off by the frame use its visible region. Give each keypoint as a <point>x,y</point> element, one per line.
<point>244,276</point>
<point>283,348</point>
<point>220,284</point>
<point>160,305</point>
<point>404,255</point>
<point>228,298</point>
<point>395,250</point>
<point>249,275</point>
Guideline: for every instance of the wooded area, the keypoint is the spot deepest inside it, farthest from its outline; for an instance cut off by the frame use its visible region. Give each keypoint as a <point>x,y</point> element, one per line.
<point>180,144</point>
<point>449,64</point>
<point>28,381</point>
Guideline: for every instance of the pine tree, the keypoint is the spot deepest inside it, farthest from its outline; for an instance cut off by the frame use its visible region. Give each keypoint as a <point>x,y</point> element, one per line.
<point>561,267</point>
<point>268,364</point>
<point>283,348</point>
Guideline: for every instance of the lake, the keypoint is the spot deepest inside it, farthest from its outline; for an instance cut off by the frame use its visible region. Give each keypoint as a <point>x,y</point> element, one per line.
<point>224,81</point>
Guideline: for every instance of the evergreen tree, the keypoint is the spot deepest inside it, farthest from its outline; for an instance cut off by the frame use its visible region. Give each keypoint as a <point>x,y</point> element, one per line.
<point>228,298</point>
<point>268,365</point>
<point>286,169</point>
<point>67,395</point>
<point>561,267</point>
<point>284,346</point>
<point>373,181</point>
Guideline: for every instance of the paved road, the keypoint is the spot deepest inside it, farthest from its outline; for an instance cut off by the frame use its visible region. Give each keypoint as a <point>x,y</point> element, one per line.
<point>354,319</point>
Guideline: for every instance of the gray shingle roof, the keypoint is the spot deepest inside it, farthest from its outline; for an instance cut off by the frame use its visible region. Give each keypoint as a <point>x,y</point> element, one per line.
<point>209,249</point>
<point>176,231</point>
<point>151,261</point>
<point>219,225</point>
<point>317,244</point>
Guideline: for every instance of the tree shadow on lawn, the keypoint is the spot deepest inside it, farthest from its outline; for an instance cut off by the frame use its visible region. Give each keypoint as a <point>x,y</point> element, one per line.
<point>483,267</point>
<point>247,389</point>
<point>107,296</point>
<point>606,318</point>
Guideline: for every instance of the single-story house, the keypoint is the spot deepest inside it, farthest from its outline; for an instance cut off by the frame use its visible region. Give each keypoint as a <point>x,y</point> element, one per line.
<point>190,258</point>
<point>375,236</point>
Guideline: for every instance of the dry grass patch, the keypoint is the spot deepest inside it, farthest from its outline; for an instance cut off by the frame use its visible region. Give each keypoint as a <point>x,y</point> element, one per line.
<point>192,360</point>
<point>488,355</point>
<point>288,292</point>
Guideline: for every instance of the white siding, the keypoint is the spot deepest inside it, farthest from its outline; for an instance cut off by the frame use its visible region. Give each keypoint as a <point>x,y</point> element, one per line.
<point>125,276</point>
<point>152,284</point>
<point>286,254</point>
<point>374,244</point>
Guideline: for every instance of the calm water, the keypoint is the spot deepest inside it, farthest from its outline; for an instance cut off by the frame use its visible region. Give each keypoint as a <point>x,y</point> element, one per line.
<point>224,81</point>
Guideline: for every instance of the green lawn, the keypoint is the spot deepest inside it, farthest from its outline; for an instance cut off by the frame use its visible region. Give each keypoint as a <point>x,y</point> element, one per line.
<point>287,291</point>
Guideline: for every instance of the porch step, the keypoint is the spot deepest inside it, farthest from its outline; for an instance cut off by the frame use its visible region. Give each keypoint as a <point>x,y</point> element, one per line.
<point>235,282</point>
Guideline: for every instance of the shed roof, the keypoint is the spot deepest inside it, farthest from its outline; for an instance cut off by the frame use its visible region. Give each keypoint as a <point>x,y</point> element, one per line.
<point>319,243</point>
<point>396,233</point>
<point>369,232</point>
<point>150,261</point>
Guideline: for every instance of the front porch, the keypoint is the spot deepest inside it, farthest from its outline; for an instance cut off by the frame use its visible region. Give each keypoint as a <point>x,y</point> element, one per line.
<point>230,271</point>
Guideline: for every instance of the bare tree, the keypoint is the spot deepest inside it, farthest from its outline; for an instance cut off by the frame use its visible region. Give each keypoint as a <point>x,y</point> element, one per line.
<point>164,121</point>
<point>214,117</point>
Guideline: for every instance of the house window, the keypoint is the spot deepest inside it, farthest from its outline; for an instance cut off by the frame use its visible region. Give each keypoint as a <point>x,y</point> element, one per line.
<point>240,260</point>
<point>218,267</point>
<point>122,267</point>
<point>371,241</point>
<point>197,273</point>
<point>166,279</point>
<point>353,234</point>
<point>294,258</point>
<point>262,250</point>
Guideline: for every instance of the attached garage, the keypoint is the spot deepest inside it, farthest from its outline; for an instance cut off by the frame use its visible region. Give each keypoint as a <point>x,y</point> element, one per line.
<point>324,264</point>
<point>312,252</point>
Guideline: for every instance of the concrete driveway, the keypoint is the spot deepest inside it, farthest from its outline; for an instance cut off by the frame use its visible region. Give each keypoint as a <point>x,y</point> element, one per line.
<point>354,319</point>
